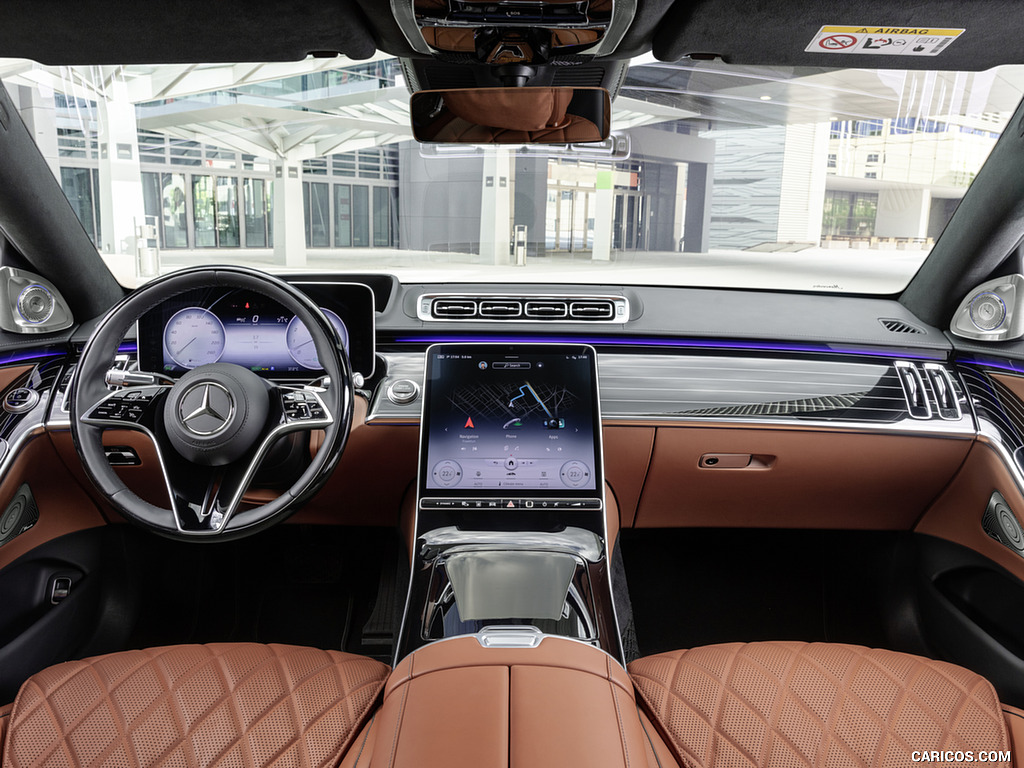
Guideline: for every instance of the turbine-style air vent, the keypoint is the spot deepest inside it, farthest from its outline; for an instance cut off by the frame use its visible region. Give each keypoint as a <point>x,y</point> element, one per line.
<point>501,309</point>
<point>446,308</point>
<point>547,309</point>
<point>523,308</point>
<point>899,326</point>
<point>601,309</point>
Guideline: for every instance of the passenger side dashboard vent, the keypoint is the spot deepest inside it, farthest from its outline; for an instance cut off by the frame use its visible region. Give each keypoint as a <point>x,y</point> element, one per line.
<point>929,391</point>
<point>899,326</point>
<point>523,308</point>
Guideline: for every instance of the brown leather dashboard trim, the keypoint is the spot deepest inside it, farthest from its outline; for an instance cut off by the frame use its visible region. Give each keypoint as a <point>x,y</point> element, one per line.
<point>11,373</point>
<point>63,505</point>
<point>367,486</point>
<point>956,514</point>
<point>802,479</point>
<point>627,456</point>
<point>1013,383</point>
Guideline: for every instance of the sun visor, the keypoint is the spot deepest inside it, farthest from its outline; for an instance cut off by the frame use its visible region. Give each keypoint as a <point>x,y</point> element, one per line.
<point>873,34</point>
<point>56,32</point>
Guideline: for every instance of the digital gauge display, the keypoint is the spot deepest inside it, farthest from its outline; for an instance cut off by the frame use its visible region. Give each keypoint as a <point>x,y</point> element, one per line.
<point>194,336</point>
<point>300,340</point>
<point>254,331</point>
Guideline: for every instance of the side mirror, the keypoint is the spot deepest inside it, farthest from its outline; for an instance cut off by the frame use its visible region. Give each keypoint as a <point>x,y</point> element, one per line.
<point>992,311</point>
<point>511,115</point>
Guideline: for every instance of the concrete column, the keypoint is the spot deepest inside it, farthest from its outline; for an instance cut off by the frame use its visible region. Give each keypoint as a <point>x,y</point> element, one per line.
<point>121,207</point>
<point>39,112</point>
<point>289,215</point>
<point>530,202</point>
<point>903,212</point>
<point>802,195</point>
<point>697,224</point>
<point>604,201</point>
<point>496,206</point>
<point>679,217</point>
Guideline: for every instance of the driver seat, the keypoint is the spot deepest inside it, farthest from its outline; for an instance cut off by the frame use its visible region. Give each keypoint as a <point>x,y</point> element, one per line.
<point>230,704</point>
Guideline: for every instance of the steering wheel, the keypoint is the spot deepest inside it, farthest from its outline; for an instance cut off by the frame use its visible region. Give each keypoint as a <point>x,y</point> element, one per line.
<point>213,426</point>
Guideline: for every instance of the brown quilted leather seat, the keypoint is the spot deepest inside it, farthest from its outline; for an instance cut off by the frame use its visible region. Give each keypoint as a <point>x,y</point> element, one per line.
<point>803,705</point>
<point>232,704</point>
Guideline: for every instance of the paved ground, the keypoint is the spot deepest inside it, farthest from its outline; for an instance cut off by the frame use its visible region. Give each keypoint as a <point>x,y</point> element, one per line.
<point>846,271</point>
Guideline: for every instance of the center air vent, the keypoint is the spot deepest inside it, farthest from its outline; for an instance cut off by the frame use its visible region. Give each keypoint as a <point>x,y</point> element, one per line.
<point>602,309</point>
<point>547,309</point>
<point>454,308</point>
<point>524,308</point>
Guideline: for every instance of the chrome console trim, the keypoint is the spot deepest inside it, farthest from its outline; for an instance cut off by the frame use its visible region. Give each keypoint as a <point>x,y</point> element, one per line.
<point>676,390</point>
<point>575,541</point>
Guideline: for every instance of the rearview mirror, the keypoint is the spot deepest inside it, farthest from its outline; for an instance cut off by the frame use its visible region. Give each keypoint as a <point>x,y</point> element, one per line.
<point>511,115</point>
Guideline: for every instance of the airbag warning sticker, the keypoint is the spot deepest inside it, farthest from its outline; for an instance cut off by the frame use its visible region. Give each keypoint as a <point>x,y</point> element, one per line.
<point>884,41</point>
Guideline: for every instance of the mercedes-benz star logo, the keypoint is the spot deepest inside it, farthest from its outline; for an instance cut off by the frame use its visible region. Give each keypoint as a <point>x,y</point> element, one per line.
<point>206,408</point>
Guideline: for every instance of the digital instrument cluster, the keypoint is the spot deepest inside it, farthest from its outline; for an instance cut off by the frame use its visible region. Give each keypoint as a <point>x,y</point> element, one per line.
<point>254,331</point>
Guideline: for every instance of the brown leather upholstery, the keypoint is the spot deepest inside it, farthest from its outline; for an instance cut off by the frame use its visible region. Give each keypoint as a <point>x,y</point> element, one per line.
<point>5,720</point>
<point>456,704</point>
<point>461,39</point>
<point>575,128</point>
<point>1015,727</point>
<point>514,109</point>
<point>231,704</point>
<point>821,704</point>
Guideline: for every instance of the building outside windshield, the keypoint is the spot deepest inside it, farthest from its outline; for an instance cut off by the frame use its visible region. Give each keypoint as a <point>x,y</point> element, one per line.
<point>754,177</point>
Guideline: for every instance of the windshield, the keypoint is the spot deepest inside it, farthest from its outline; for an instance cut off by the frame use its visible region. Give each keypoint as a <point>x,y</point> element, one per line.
<point>715,175</point>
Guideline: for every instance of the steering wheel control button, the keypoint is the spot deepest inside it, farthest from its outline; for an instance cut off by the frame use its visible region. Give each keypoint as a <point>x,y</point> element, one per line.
<point>303,406</point>
<point>403,391</point>
<point>216,413</point>
<point>20,400</point>
<point>125,406</point>
<point>206,408</point>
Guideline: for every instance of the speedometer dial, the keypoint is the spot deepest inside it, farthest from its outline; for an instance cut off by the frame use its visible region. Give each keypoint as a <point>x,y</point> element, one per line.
<point>300,341</point>
<point>193,337</point>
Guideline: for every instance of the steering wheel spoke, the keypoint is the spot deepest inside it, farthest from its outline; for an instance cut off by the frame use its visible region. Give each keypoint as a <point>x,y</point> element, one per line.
<point>203,499</point>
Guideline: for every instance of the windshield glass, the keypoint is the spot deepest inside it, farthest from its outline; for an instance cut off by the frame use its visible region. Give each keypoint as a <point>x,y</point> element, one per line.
<point>715,175</point>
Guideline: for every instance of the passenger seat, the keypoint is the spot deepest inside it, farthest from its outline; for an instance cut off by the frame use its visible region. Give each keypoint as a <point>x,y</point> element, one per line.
<point>823,705</point>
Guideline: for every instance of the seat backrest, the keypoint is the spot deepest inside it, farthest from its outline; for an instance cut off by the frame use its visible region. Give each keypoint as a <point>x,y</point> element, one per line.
<point>819,704</point>
<point>240,704</point>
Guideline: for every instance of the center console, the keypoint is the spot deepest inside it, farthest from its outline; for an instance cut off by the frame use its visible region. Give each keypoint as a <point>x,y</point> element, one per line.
<point>510,517</point>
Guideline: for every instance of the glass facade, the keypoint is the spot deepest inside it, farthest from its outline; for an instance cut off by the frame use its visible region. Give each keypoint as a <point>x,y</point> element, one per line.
<point>199,210</point>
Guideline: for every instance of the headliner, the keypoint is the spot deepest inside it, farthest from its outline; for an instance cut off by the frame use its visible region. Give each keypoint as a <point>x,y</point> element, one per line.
<point>104,32</point>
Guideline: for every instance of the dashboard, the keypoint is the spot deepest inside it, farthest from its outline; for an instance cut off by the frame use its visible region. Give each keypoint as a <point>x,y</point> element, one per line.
<point>251,330</point>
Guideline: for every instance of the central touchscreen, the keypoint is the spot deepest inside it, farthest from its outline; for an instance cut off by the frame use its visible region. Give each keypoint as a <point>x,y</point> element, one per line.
<point>510,420</point>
